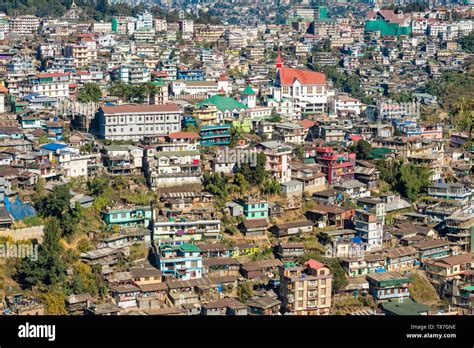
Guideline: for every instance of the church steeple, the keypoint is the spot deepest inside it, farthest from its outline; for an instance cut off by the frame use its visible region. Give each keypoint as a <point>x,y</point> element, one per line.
<point>279,61</point>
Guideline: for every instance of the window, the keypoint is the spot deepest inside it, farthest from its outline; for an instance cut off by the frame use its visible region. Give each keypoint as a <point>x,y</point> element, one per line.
<point>309,89</point>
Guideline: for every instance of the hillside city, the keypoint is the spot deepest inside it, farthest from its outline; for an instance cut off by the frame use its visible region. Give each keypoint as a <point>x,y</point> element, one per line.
<point>287,157</point>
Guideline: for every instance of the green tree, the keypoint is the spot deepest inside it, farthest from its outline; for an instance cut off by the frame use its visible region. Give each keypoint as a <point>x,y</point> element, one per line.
<point>463,115</point>
<point>241,183</point>
<point>339,279</point>
<point>90,92</point>
<point>216,183</point>
<point>467,42</point>
<point>299,152</point>
<point>255,175</point>
<point>56,203</point>
<point>55,301</point>
<point>275,117</point>
<point>71,219</point>
<point>98,185</point>
<point>363,149</point>
<point>244,292</point>
<point>48,269</point>
<point>39,189</point>
<point>412,180</point>
<point>84,280</point>
<point>271,187</point>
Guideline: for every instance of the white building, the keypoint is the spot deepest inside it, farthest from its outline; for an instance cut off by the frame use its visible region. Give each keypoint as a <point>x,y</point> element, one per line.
<point>370,229</point>
<point>175,162</point>
<point>24,25</point>
<point>278,161</point>
<point>306,89</point>
<point>54,85</point>
<point>186,26</point>
<point>134,122</point>
<point>144,21</point>
<point>344,105</point>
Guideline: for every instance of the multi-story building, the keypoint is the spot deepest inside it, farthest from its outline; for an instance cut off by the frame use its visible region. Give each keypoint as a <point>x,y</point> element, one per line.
<point>215,135</point>
<point>133,73</point>
<point>254,208</point>
<point>290,133</point>
<point>54,85</point>
<point>402,259</point>
<point>373,205</point>
<point>185,228</point>
<point>123,159</point>
<point>24,25</point>
<point>180,261</point>
<point>369,229</point>
<point>174,162</point>
<point>144,21</point>
<point>345,105</point>
<point>128,217</point>
<point>450,191</point>
<point>306,89</point>
<point>460,228</point>
<point>160,24</point>
<point>83,53</point>
<point>134,122</point>
<point>160,93</point>
<point>389,285</point>
<point>306,290</point>
<point>186,26</point>
<point>444,272</point>
<point>338,166</point>
<point>278,157</point>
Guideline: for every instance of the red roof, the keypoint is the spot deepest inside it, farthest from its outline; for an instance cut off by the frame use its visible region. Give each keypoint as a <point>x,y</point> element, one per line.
<point>184,135</point>
<point>222,77</point>
<point>355,138</point>
<point>314,264</point>
<point>306,77</point>
<point>3,89</point>
<point>135,108</point>
<point>159,73</point>
<point>306,123</point>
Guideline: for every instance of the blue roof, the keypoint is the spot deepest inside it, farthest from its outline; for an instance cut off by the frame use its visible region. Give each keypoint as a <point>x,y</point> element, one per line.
<point>356,240</point>
<point>53,146</point>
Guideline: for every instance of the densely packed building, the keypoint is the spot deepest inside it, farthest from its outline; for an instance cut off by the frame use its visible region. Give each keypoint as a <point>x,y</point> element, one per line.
<point>275,159</point>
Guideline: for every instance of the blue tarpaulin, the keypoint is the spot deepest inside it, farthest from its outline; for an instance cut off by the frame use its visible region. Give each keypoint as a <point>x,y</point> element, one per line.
<point>19,210</point>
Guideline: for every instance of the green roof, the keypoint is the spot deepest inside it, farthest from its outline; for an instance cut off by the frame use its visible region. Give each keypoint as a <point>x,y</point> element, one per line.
<point>223,103</point>
<point>407,307</point>
<point>380,152</point>
<point>248,91</point>
<point>469,288</point>
<point>184,247</point>
<point>189,247</point>
<point>385,28</point>
<point>158,83</point>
